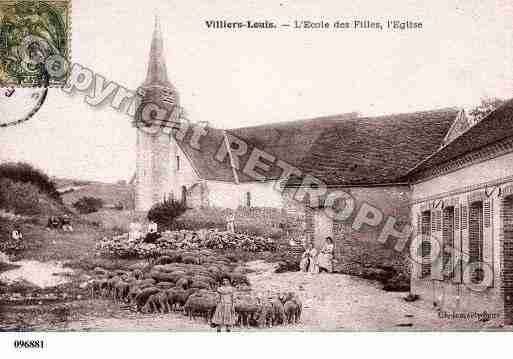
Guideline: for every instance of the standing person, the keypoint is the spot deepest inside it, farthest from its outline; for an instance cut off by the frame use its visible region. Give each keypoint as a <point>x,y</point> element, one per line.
<point>225,310</point>
<point>325,259</point>
<point>53,223</point>
<point>230,223</point>
<point>66,223</point>
<point>16,234</point>
<point>308,259</point>
<point>314,259</point>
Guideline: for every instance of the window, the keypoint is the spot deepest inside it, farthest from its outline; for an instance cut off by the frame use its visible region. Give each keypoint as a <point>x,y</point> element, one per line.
<point>184,194</point>
<point>425,230</point>
<point>475,237</point>
<point>248,199</point>
<point>448,241</point>
<point>178,163</point>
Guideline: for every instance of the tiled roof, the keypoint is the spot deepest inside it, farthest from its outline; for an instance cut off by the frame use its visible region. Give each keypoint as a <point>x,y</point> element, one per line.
<point>203,159</point>
<point>497,126</point>
<point>340,150</point>
<point>377,150</point>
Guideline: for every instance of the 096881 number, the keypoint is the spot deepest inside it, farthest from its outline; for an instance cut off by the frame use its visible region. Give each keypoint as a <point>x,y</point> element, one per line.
<point>29,344</point>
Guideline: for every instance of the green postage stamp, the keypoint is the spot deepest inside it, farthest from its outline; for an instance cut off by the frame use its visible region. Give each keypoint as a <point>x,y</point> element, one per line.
<point>30,33</point>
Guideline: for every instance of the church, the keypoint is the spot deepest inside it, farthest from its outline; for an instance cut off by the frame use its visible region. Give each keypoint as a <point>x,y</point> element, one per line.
<point>366,157</point>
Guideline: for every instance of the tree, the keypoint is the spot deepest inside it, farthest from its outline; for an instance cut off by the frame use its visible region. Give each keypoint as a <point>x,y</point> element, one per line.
<point>165,213</point>
<point>87,205</point>
<point>486,106</point>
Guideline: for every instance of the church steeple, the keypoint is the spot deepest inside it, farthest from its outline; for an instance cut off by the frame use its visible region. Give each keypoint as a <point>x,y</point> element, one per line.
<point>157,71</point>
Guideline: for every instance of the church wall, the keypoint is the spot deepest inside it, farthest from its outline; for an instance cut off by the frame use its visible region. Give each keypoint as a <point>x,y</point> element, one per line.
<point>231,195</point>
<point>183,176</point>
<point>144,179</point>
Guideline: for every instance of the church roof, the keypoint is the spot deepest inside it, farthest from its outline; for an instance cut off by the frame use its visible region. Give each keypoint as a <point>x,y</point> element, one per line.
<point>339,150</point>
<point>157,71</point>
<point>497,126</point>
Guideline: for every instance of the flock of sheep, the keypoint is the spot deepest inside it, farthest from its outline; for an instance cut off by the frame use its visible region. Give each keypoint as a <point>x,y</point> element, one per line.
<point>187,282</point>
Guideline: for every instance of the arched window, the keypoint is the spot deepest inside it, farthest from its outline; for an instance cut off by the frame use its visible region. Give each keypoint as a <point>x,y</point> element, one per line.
<point>184,194</point>
<point>248,199</point>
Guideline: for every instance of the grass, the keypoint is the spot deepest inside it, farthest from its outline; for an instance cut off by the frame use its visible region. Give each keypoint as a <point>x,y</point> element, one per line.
<point>110,193</point>
<point>114,220</point>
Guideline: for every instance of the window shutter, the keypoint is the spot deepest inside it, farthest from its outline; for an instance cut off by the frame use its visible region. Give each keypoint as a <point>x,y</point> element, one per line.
<point>418,232</point>
<point>475,238</point>
<point>457,267</point>
<point>488,235</point>
<point>463,239</point>
<point>426,245</point>
<point>448,242</point>
<point>436,235</point>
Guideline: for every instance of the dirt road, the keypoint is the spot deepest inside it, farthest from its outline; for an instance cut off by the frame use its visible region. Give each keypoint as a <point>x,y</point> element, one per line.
<point>331,302</point>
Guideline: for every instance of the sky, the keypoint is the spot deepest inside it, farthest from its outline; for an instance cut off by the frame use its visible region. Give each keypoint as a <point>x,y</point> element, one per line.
<point>228,78</point>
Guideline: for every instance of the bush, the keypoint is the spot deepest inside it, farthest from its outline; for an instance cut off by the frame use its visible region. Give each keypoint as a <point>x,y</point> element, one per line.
<point>87,205</point>
<point>25,173</point>
<point>18,197</point>
<point>165,213</point>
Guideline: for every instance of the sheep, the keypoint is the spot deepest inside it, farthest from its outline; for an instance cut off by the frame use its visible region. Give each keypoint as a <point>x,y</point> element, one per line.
<point>163,276</point>
<point>293,308</point>
<point>203,304</point>
<point>246,307</point>
<point>160,299</point>
<point>165,285</point>
<point>137,274</point>
<point>121,290</point>
<point>137,286</point>
<point>266,314</point>
<point>182,295</point>
<point>142,297</point>
<point>200,284</point>
<point>172,295</point>
<point>184,282</point>
<point>97,286</point>
<point>204,278</point>
<point>238,278</point>
<point>278,311</point>
<point>99,271</point>
<point>190,260</point>
<point>151,305</point>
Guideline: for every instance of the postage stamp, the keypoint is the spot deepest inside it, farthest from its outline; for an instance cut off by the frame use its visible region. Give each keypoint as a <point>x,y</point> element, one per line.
<point>30,33</point>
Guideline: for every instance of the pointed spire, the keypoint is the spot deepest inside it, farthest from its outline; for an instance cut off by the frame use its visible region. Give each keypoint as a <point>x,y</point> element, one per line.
<point>157,71</point>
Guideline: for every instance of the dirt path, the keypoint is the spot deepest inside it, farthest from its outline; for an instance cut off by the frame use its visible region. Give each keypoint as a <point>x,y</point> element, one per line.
<point>330,302</point>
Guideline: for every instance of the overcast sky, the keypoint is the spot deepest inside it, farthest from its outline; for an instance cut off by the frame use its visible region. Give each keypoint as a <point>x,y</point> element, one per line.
<point>241,78</point>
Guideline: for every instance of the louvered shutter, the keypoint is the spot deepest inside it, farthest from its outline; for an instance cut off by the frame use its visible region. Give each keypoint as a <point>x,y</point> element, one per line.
<point>418,232</point>
<point>475,239</point>
<point>488,235</point>
<point>426,245</point>
<point>436,235</point>
<point>448,242</point>
<point>464,239</point>
<point>457,267</point>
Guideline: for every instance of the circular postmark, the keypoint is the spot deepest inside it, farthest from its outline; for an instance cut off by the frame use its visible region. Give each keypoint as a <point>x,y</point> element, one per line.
<point>19,104</point>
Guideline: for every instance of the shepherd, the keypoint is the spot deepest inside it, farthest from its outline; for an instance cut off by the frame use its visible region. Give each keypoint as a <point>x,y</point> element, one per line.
<point>225,310</point>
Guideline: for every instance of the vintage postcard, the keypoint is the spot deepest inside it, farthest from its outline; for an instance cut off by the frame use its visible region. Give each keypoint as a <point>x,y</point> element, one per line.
<point>266,166</point>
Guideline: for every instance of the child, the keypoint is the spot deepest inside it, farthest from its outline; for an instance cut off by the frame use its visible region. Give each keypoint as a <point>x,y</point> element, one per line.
<point>225,310</point>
